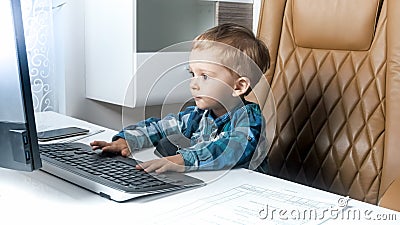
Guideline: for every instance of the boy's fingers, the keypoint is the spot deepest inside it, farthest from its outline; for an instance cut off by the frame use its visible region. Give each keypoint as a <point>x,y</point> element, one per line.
<point>125,152</point>
<point>96,147</point>
<point>99,143</point>
<point>160,166</point>
<point>162,169</point>
<point>149,166</point>
<point>144,165</point>
<point>138,167</point>
<point>111,148</point>
<point>93,144</point>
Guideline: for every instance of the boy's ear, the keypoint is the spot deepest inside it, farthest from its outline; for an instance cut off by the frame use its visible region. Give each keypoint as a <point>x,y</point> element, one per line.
<point>242,84</point>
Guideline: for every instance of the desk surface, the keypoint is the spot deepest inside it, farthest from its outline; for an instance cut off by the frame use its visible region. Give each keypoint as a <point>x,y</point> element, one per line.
<point>230,197</point>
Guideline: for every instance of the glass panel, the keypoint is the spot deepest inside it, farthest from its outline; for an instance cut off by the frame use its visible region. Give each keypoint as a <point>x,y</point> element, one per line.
<point>163,23</point>
<point>11,109</point>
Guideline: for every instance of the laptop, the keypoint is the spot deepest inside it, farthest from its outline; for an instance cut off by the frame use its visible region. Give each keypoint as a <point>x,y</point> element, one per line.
<point>113,177</point>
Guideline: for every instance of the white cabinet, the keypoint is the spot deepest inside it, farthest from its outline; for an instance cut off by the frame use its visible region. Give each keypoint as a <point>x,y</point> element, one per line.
<point>122,35</point>
<point>109,49</point>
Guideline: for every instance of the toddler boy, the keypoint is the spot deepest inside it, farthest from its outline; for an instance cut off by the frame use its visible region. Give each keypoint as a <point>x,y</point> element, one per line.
<point>223,129</point>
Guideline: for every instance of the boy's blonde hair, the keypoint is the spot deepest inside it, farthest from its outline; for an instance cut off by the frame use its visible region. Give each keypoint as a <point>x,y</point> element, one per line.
<point>242,39</point>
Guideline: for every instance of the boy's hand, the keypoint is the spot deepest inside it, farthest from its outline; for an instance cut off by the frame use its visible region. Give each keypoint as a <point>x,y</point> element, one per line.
<point>118,147</point>
<point>171,163</point>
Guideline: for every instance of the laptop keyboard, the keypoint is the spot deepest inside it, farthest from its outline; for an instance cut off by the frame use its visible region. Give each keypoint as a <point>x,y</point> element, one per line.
<point>110,170</point>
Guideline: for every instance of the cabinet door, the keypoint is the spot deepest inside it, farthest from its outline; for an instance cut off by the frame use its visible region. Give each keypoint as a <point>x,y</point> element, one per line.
<point>120,35</point>
<point>109,49</point>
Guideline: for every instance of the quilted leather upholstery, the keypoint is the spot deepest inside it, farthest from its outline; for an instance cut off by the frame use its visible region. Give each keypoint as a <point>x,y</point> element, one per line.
<point>331,109</point>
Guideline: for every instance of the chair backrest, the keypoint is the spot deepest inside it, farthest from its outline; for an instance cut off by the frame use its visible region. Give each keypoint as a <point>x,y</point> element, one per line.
<point>335,77</point>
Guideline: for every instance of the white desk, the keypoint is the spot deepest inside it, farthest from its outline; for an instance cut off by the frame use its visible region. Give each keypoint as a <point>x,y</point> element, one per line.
<point>40,198</point>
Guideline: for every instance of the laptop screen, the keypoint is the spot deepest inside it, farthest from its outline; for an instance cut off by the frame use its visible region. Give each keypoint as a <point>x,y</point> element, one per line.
<point>18,142</point>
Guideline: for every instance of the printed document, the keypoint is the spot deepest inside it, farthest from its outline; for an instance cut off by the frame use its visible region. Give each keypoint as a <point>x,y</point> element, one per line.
<point>249,204</point>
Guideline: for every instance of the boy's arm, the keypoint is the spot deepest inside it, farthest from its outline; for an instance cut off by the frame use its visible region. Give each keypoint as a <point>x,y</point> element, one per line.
<point>234,147</point>
<point>148,133</point>
<point>231,149</point>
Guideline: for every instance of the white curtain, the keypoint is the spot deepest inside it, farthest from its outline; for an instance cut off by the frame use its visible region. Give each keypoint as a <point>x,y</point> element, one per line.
<point>39,38</point>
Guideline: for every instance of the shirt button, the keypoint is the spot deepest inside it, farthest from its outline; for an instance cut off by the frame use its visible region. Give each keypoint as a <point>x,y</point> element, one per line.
<point>249,138</point>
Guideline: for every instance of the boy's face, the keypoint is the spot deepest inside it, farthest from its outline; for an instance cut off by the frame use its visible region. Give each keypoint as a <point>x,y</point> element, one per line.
<point>212,87</point>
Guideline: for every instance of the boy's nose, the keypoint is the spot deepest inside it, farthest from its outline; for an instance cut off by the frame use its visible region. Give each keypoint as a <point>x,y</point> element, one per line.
<point>193,83</point>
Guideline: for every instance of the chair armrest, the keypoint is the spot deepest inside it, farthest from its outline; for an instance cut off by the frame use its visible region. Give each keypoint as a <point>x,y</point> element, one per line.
<point>391,197</point>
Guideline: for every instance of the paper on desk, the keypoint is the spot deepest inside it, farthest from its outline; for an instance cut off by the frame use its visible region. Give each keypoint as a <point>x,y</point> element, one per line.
<point>249,204</point>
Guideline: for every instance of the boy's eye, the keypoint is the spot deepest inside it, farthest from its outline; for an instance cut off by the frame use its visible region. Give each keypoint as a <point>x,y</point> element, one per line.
<point>204,76</point>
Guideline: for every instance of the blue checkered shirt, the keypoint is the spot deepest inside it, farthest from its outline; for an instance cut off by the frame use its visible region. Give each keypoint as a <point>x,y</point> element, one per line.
<point>228,141</point>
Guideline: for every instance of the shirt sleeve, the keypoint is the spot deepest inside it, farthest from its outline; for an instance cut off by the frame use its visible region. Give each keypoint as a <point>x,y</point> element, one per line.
<point>148,133</point>
<point>233,147</point>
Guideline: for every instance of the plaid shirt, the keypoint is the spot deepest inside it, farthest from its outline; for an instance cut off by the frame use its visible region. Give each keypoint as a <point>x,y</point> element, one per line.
<point>215,143</point>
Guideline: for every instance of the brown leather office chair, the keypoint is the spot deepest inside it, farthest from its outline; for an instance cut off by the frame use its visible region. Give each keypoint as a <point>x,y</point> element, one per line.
<point>335,73</point>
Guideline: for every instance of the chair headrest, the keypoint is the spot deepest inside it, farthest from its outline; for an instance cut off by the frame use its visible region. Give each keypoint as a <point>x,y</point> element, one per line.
<point>334,24</point>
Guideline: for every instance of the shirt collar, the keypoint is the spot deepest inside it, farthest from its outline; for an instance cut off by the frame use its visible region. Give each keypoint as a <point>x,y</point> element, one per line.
<point>227,116</point>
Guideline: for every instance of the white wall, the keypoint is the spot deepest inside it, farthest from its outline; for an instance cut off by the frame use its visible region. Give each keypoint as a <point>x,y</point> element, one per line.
<point>256,14</point>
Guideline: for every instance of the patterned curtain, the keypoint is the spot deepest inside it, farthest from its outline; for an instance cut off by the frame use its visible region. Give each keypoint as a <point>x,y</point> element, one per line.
<point>38,26</point>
